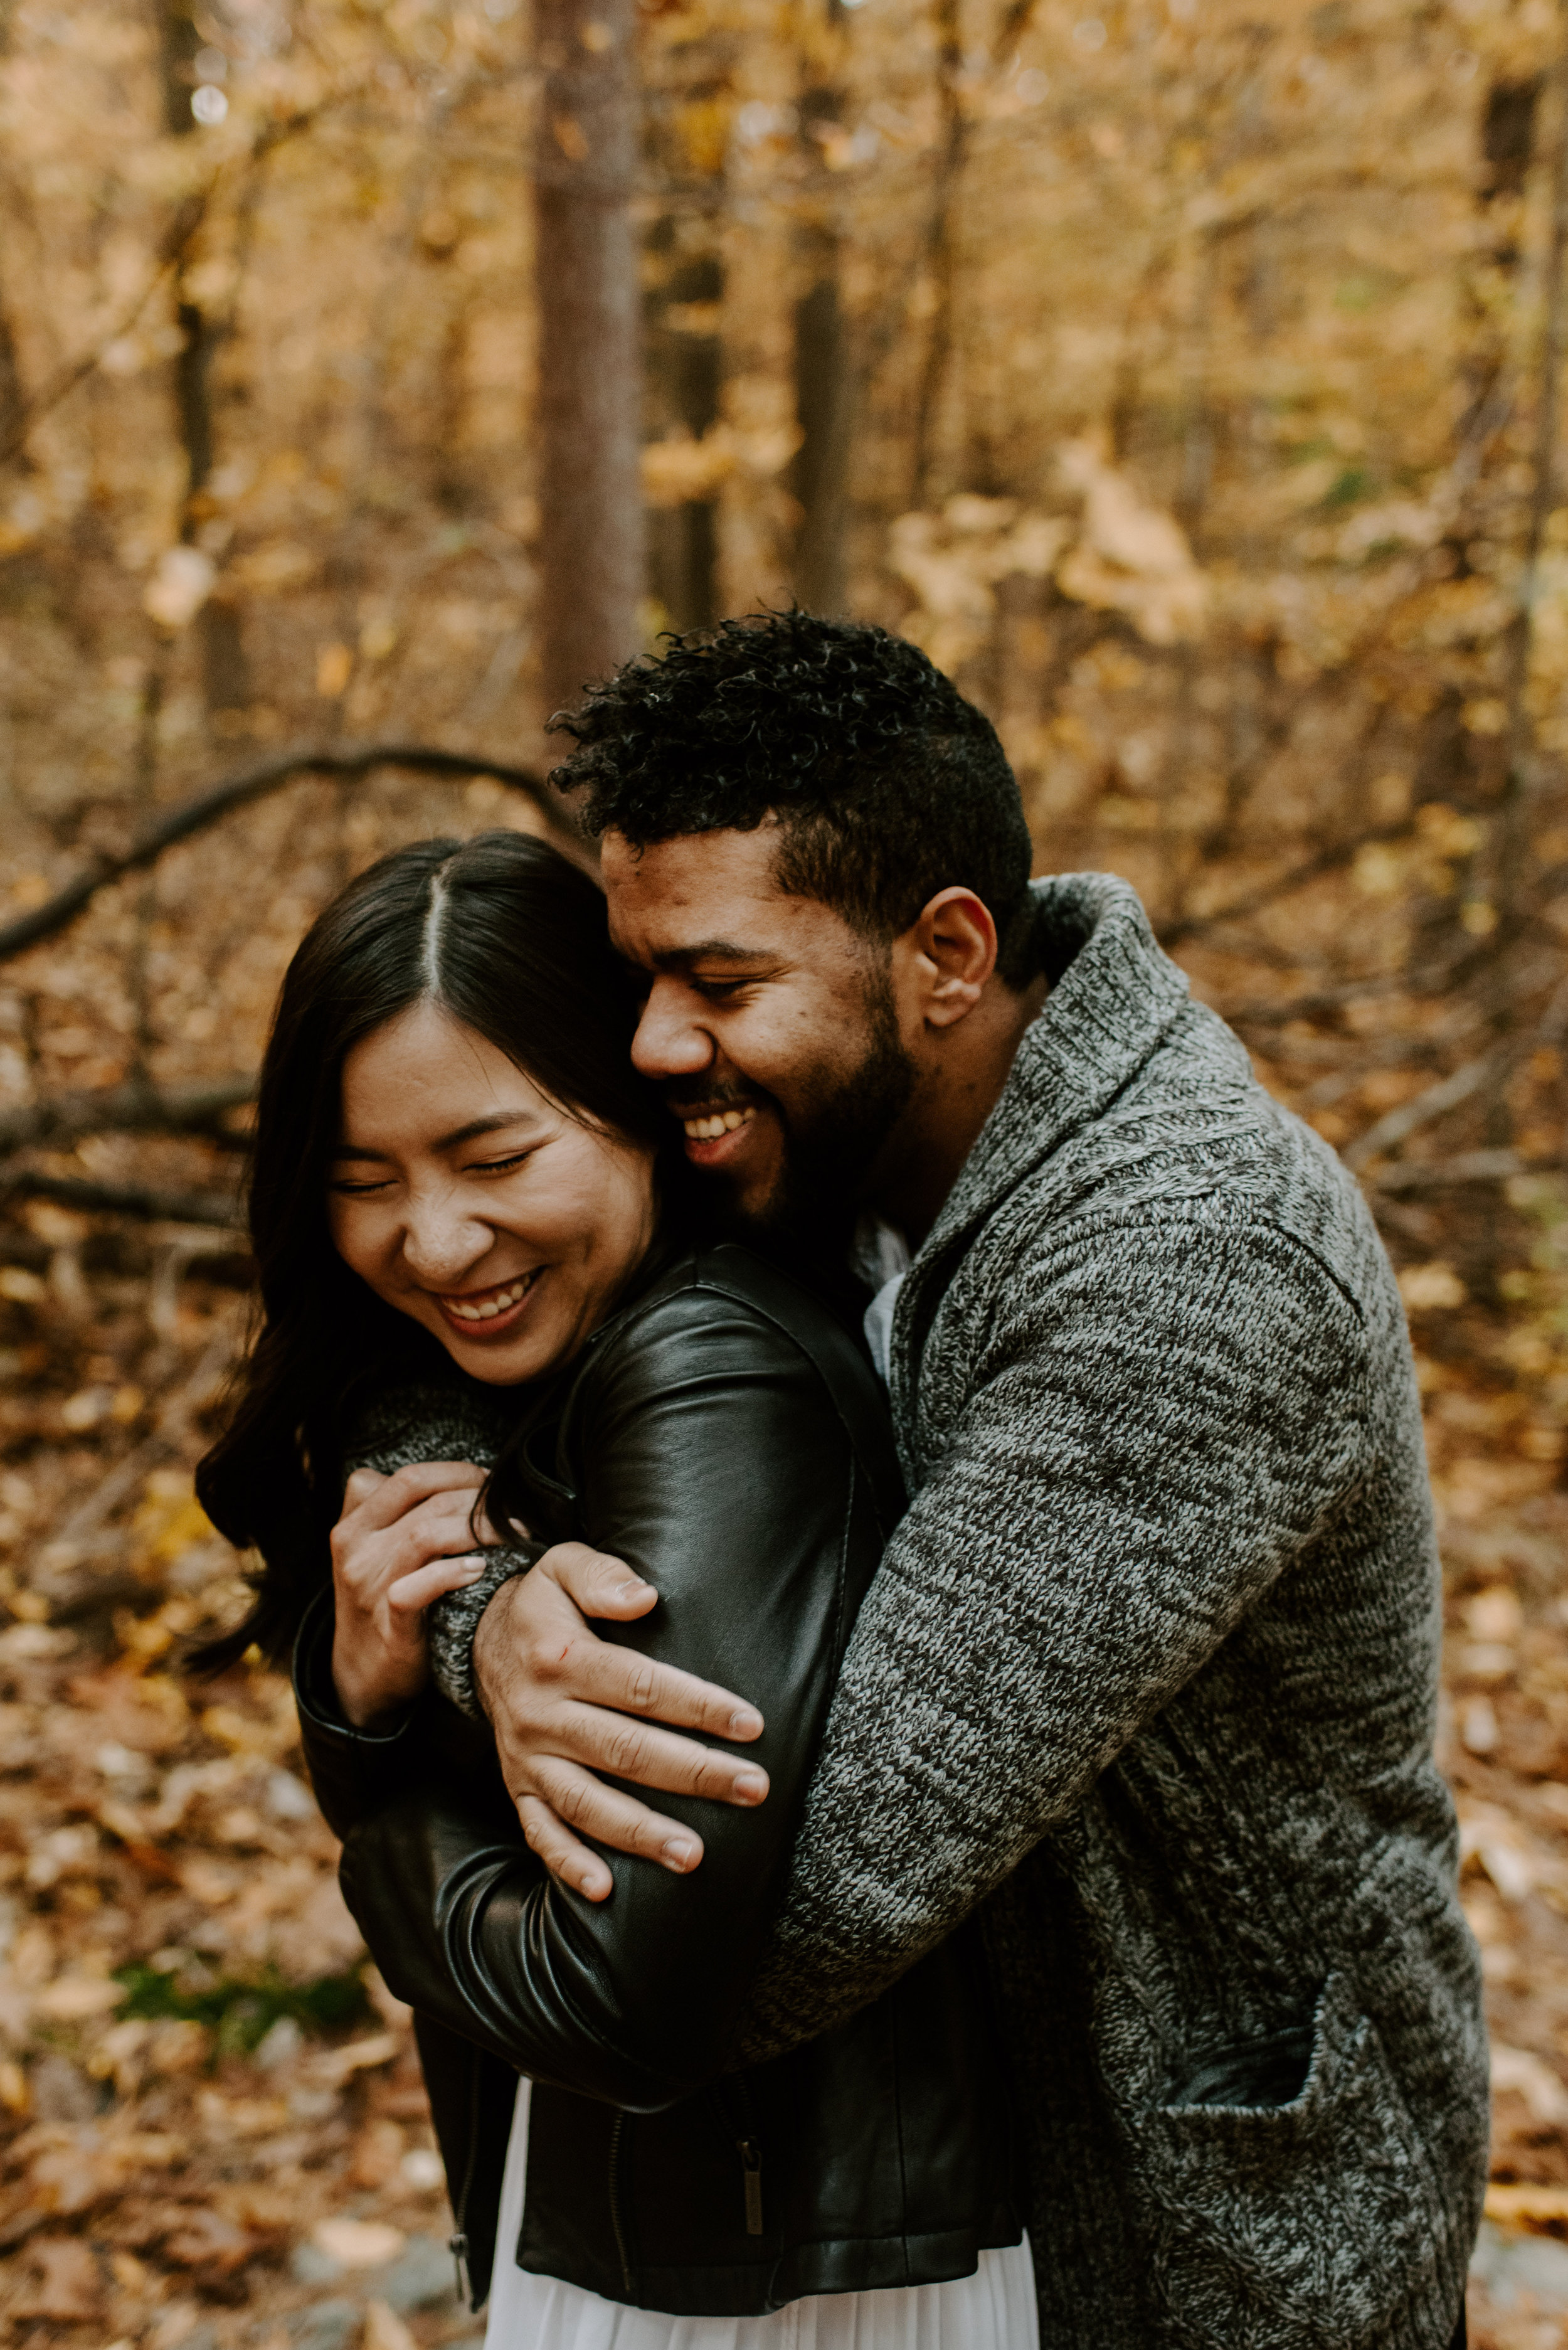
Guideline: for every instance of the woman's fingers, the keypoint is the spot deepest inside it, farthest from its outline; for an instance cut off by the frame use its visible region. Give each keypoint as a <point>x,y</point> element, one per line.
<point>411,1594</point>
<point>391,1498</point>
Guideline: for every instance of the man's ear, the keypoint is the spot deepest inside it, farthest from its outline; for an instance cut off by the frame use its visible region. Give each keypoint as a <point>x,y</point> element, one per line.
<point>953,941</point>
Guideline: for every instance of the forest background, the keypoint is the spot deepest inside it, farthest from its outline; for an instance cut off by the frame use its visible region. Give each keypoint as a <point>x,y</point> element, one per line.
<point>1186,377</point>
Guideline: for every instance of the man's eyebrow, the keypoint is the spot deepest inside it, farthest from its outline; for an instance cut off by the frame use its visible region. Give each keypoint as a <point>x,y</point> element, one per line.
<point>459,1134</point>
<point>706,951</point>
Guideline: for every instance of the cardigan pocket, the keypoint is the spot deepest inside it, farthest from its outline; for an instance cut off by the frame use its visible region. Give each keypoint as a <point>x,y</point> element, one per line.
<point>1287,2177</point>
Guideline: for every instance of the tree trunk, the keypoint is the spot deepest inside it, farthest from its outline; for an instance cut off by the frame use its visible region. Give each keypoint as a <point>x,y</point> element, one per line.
<point>824,400</point>
<point>686,368</point>
<point>824,369</point>
<point>591,535</point>
<point>226,679</point>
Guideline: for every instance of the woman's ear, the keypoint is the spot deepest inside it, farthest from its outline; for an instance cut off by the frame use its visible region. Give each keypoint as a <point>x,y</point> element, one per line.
<point>954,940</point>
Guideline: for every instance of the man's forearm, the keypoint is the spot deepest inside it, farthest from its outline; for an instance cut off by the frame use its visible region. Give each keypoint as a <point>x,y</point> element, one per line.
<point>1115,1497</point>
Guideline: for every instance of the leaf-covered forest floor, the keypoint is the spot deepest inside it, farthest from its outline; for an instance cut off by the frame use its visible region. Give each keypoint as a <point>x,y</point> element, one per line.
<point>215,2134</point>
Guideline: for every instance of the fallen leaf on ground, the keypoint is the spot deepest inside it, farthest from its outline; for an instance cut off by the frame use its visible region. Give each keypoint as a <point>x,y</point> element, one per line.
<point>359,2243</point>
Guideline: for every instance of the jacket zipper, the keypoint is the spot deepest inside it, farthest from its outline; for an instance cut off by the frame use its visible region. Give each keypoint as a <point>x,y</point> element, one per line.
<point>617,2145</point>
<point>457,2242</point>
<point>750,2153</point>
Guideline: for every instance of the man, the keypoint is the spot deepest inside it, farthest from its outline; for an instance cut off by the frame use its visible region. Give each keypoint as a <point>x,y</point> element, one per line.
<point>1148,1671</point>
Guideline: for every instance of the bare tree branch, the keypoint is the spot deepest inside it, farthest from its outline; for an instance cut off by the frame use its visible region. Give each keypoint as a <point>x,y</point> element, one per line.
<point>1520,637</point>
<point>175,242</point>
<point>171,250</point>
<point>124,1109</point>
<point>125,1200</point>
<point>253,783</point>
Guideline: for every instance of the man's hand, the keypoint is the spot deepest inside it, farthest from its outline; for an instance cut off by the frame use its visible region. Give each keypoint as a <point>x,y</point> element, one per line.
<point>402,1542</point>
<point>558,1697</point>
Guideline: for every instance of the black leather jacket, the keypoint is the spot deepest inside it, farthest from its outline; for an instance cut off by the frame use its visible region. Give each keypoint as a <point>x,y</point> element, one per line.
<point>724,1436</point>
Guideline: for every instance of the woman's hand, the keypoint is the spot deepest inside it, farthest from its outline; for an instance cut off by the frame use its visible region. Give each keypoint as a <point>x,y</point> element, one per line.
<point>402,1542</point>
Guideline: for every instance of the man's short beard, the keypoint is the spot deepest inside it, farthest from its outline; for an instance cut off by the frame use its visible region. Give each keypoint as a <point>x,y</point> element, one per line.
<point>829,1145</point>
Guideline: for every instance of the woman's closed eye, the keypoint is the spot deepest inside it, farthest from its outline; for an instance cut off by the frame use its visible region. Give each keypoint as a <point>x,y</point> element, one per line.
<point>498,1166</point>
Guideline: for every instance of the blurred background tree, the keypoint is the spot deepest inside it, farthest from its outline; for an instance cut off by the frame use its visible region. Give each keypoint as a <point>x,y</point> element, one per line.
<point>1187,379</point>
<point>1185,375</point>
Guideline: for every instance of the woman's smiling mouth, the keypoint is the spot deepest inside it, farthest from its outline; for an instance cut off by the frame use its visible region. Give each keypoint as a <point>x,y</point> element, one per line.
<point>485,1313</point>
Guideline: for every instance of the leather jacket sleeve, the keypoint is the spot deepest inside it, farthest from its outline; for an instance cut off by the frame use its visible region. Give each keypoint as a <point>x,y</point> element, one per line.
<point>703,1445</point>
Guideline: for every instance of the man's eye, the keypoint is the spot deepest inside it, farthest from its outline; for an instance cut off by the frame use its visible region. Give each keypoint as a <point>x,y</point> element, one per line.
<point>718,990</point>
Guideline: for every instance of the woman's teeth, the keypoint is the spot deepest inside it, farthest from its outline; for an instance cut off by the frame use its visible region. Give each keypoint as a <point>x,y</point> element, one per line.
<point>708,1129</point>
<point>489,1307</point>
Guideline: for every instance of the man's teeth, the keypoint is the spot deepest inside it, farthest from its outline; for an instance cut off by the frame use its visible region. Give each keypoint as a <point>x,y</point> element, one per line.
<point>491,1307</point>
<point>708,1129</point>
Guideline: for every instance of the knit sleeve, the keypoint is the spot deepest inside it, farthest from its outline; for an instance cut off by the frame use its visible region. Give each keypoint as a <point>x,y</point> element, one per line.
<point>1159,1417</point>
<point>434,1422</point>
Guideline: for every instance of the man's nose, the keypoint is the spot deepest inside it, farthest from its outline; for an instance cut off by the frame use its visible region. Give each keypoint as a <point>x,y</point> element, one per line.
<point>671,1042</point>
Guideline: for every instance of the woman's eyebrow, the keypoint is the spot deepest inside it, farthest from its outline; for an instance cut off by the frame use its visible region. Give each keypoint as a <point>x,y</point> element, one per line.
<point>478,1125</point>
<point>461,1134</point>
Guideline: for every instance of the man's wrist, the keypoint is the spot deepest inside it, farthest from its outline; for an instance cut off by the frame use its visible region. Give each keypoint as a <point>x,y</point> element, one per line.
<point>454,1622</point>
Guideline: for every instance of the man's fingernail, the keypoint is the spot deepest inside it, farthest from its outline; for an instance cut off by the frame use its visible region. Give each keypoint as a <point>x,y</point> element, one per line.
<point>745,1722</point>
<point>635,1588</point>
<point>751,1786</point>
<point>679,1855</point>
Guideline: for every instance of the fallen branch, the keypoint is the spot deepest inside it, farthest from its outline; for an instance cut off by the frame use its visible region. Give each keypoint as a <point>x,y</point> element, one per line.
<point>219,1208</point>
<point>1436,1101</point>
<point>1466,1167</point>
<point>254,783</point>
<point>124,1109</point>
<point>1328,860</point>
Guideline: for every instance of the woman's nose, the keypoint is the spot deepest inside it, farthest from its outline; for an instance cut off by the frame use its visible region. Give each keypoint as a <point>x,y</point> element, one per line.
<point>441,1244</point>
<point>671,1042</point>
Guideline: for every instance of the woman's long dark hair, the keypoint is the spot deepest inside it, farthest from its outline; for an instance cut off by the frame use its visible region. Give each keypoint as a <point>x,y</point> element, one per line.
<point>507,937</point>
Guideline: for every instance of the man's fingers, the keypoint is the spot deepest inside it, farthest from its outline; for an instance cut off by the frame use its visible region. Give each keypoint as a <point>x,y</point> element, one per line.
<point>411,1593</point>
<point>360,1488</point>
<point>600,1584</point>
<point>579,1805</point>
<point>561,1853</point>
<point>596,1673</point>
<point>649,1757</point>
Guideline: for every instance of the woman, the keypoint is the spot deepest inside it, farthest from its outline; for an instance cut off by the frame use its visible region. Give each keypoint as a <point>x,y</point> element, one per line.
<point>457,1173</point>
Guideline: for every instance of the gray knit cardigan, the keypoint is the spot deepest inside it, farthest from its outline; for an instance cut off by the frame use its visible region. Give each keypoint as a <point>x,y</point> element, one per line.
<point>1148,1675</point>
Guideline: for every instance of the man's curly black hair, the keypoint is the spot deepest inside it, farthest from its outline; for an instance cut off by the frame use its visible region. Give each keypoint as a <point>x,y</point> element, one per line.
<point>886,785</point>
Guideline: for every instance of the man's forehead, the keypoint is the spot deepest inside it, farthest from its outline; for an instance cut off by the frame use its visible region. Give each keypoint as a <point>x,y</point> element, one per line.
<point>671,869</point>
<point>698,887</point>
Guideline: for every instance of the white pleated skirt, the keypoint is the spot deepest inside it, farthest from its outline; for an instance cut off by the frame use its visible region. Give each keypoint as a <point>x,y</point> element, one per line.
<point>992,2310</point>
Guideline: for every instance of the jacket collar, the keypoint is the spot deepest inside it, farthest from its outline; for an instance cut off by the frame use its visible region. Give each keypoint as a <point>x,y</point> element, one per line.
<point>1114,998</point>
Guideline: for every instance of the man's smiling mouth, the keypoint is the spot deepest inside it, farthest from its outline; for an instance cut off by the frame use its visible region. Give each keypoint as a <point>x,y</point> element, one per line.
<point>708,1129</point>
